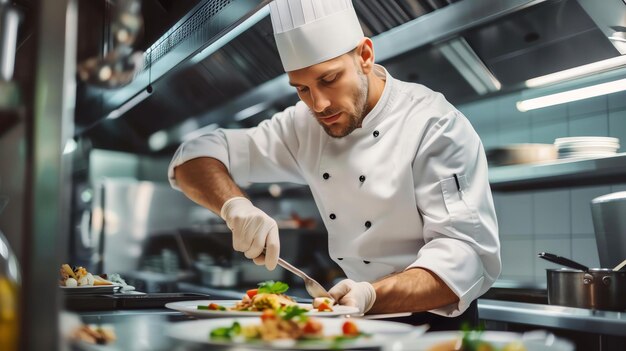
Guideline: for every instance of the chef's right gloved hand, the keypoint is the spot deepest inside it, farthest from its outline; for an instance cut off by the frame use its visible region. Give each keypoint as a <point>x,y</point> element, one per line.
<point>253,231</point>
<point>361,295</point>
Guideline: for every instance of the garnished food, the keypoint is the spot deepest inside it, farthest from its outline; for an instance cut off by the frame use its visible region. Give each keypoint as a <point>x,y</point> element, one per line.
<point>323,304</point>
<point>78,276</point>
<point>286,323</point>
<point>268,296</point>
<point>94,335</point>
<point>472,341</point>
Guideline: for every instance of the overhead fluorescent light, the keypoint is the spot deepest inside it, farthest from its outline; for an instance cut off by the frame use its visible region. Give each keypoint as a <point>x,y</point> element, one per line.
<point>250,111</point>
<point>226,38</point>
<point>158,140</point>
<point>461,55</point>
<point>128,105</point>
<point>572,95</point>
<point>577,72</point>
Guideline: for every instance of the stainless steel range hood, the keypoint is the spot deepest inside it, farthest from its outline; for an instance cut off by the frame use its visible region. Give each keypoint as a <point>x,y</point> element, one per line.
<point>468,49</point>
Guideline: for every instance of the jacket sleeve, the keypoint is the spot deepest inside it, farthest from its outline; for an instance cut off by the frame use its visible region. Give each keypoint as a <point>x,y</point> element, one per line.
<point>265,153</point>
<point>454,198</point>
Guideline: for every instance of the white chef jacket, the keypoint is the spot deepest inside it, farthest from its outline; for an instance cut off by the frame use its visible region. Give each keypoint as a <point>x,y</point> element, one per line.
<point>407,189</point>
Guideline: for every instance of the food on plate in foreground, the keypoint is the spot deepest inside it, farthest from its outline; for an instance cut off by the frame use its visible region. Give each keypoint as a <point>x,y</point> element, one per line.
<point>323,303</point>
<point>288,323</point>
<point>471,341</point>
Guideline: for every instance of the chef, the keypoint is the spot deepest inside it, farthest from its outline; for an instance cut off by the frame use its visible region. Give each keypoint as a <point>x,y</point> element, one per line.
<point>398,174</point>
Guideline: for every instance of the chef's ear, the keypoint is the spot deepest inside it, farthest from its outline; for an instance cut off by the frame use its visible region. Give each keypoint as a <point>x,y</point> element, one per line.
<point>365,55</point>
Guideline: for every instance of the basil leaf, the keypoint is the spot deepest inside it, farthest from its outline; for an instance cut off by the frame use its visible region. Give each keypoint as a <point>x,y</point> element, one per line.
<point>272,287</point>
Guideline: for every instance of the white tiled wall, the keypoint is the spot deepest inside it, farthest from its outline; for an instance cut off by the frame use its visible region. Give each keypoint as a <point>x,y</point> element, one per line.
<point>554,220</point>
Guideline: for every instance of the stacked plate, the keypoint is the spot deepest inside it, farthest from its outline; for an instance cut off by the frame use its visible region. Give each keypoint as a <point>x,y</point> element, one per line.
<point>575,147</point>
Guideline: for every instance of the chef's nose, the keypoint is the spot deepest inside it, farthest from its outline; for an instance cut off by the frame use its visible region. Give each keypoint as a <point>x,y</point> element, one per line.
<point>319,101</point>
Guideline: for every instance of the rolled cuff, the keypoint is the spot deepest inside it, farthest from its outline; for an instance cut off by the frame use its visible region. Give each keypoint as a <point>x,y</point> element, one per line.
<point>466,281</point>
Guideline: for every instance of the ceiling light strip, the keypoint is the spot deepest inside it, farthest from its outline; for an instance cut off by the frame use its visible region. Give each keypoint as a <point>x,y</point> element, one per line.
<point>577,72</point>
<point>572,95</point>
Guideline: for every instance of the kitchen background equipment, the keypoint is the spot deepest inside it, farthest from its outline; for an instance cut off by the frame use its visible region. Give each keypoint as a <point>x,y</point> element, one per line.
<point>609,221</point>
<point>521,153</point>
<point>218,276</point>
<point>586,146</point>
<point>594,288</point>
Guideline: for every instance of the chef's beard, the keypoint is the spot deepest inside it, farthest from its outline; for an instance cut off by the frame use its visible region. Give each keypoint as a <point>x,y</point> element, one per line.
<point>355,118</point>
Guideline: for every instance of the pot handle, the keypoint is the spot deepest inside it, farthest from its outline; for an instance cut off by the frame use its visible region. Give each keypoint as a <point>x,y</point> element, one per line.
<point>562,261</point>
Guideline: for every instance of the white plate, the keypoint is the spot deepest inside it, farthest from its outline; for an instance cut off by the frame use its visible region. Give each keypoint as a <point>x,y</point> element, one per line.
<point>96,289</point>
<point>381,333</point>
<point>191,308</point>
<point>541,341</point>
<point>569,140</point>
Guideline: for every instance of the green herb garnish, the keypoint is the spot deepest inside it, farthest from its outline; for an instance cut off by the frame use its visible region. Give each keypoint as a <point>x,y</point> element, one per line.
<point>292,312</point>
<point>472,338</point>
<point>226,332</point>
<point>272,287</point>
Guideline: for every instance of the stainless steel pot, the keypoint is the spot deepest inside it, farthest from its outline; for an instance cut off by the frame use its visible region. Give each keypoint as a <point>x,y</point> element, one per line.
<point>597,288</point>
<point>583,287</point>
<point>218,276</point>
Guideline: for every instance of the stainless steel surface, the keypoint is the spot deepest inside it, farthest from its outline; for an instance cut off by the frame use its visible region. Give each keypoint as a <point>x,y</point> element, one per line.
<point>269,91</point>
<point>314,288</point>
<point>585,320</point>
<point>470,66</point>
<point>596,288</point>
<point>608,17</point>
<point>235,72</point>
<point>48,181</point>
<point>560,173</point>
<point>609,222</point>
<point>127,212</point>
<point>199,29</point>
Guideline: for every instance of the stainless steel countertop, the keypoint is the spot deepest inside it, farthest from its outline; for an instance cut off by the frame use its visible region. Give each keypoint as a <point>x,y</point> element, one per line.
<point>602,322</point>
<point>144,329</point>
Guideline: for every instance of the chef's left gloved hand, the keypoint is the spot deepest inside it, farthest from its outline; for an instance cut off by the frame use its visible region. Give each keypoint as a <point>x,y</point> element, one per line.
<point>358,294</point>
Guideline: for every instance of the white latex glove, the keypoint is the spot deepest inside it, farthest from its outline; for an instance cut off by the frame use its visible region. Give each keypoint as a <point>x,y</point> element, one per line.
<point>358,294</point>
<point>253,231</point>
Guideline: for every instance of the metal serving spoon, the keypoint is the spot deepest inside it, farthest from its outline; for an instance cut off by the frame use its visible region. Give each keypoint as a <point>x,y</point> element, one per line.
<point>314,288</point>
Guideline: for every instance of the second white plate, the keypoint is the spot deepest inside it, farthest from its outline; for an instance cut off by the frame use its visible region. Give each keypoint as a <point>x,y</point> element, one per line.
<point>380,333</point>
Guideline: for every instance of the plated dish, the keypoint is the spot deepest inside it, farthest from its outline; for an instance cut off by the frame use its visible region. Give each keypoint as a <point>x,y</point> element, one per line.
<point>78,277</point>
<point>331,333</point>
<point>191,308</point>
<point>487,340</point>
<point>270,295</point>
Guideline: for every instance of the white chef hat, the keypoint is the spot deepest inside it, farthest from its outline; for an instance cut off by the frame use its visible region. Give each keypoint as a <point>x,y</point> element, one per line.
<point>308,32</point>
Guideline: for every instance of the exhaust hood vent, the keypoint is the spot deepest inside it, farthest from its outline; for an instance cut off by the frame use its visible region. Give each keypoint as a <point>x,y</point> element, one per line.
<point>182,31</point>
<point>465,49</point>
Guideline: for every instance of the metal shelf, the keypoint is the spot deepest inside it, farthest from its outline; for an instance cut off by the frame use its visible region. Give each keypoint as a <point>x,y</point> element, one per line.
<point>558,174</point>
